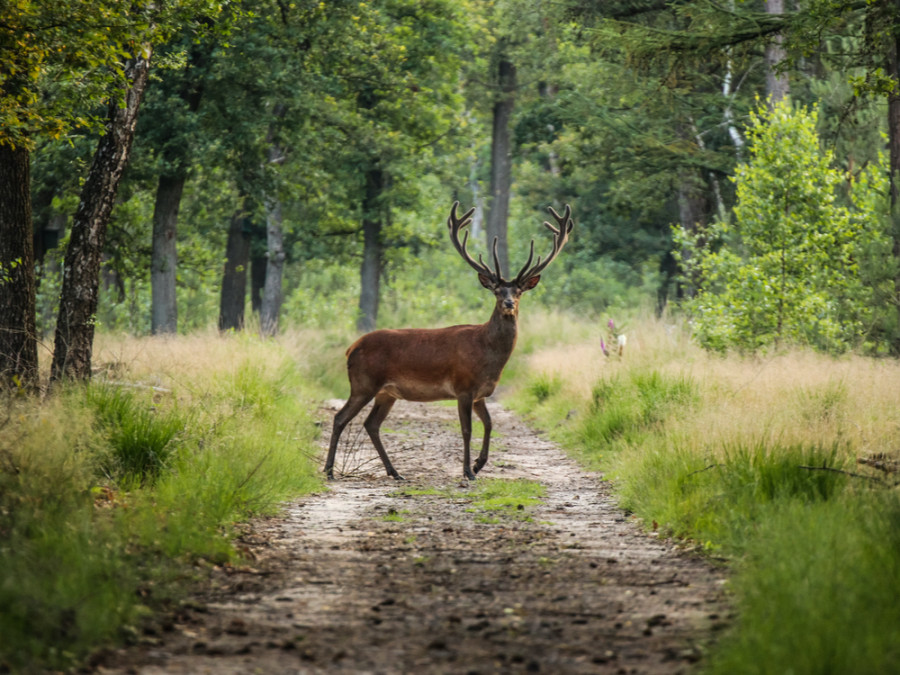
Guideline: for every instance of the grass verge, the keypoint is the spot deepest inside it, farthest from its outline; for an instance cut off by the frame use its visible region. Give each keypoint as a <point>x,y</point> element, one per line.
<point>756,461</point>
<point>115,495</point>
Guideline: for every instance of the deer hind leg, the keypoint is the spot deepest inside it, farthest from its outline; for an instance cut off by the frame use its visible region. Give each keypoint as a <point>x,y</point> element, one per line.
<point>481,410</point>
<point>383,405</point>
<point>351,409</point>
<point>465,422</point>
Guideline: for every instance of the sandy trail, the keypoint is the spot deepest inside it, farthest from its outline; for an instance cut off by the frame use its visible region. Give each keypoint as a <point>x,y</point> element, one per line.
<point>368,578</point>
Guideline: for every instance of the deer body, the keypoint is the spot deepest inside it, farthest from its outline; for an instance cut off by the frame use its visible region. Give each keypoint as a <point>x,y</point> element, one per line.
<point>431,365</point>
<point>458,362</point>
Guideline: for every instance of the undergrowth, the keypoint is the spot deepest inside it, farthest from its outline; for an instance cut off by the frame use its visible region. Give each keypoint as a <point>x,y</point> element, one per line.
<point>756,462</point>
<point>116,494</point>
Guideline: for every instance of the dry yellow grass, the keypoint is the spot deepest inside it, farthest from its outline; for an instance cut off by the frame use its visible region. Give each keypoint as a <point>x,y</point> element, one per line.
<point>166,360</point>
<point>793,397</point>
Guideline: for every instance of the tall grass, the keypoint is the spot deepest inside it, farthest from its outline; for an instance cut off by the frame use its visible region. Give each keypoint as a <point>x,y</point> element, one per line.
<point>755,460</point>
<point>817,590</point>
<point>114,495</point>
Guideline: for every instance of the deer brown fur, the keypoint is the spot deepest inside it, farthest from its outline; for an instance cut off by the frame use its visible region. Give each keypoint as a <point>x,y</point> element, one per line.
<point>457,362</point>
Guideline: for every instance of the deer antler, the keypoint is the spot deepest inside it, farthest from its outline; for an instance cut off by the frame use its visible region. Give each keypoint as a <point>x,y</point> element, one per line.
<point>455,225</point>
<point>560,237</point>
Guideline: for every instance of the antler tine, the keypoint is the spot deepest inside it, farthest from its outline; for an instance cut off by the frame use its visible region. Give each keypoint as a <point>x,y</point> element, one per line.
<point>560,237</point>
<point>455,224</point>
<point>527,262</point>
<point>497,258</point>
<point>564,221</point>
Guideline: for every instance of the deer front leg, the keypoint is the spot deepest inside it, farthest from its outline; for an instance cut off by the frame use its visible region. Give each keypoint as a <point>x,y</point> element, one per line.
<point>482,412</point>
<point>465,422</point>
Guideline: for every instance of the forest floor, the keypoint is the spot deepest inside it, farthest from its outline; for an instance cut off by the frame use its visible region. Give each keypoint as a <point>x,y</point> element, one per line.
<point>379,576</point>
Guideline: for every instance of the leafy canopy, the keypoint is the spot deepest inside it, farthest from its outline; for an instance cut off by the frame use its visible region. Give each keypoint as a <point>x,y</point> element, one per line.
<point>59,57</point>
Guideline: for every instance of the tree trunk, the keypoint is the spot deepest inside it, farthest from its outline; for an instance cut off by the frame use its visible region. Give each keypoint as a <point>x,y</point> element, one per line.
<point>258,270</point>
<point>271,300</point>
<point>692,214</point>
<point>272,296</point>
<point>370,271</point>
<point>234,279</point>
<point>18,336</point>
<point>777,85</point>
<point>893,64</point>
<point>501,162</point>
<point>81,273</point>
<point>164,262</point>
<point>549,92</point>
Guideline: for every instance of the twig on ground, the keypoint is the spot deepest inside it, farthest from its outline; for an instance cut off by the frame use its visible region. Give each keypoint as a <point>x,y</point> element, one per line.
<point>706,468</point>
<point>846,473</point>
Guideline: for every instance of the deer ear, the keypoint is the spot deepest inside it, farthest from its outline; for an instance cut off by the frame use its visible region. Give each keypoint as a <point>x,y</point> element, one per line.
<point>486,282</point>
<point>530,283</point>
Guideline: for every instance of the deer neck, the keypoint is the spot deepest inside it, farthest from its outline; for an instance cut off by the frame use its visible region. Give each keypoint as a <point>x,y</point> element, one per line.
<point>502,331</point>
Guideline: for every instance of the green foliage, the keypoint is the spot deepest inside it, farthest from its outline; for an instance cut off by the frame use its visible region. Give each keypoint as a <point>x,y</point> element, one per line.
<point>64,580</point>
<point>62,56</point>
<point>722,503</point>
<point>85,558</point>
<point>789,269</point>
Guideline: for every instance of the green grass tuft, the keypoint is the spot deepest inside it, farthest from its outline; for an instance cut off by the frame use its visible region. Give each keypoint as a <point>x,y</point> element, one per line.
<point>543,386</point>
<point>140,434</point>
<point>496,497</point>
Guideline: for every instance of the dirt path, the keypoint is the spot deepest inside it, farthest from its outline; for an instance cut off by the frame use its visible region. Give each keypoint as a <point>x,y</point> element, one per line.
<point>371,579</point>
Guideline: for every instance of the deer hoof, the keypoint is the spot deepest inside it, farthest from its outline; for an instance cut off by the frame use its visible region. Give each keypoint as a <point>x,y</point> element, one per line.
<point>468,473</point>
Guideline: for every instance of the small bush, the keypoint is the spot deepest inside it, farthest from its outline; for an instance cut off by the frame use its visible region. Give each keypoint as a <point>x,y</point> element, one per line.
<point>544,386</point>
<point>140,435</point>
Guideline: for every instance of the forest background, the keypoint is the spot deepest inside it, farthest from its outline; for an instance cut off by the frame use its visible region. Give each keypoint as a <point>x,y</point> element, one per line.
<point>296,160</point>
<point>274,167</point>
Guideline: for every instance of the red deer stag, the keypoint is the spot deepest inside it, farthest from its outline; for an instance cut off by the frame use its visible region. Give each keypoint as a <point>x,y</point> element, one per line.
<point>458,362</point>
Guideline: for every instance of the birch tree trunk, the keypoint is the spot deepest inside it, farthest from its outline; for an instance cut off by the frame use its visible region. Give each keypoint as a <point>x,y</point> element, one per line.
<point>777,86</point>
<point>74,339</point>
<point>164,260</point>
<point>272,294</point>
